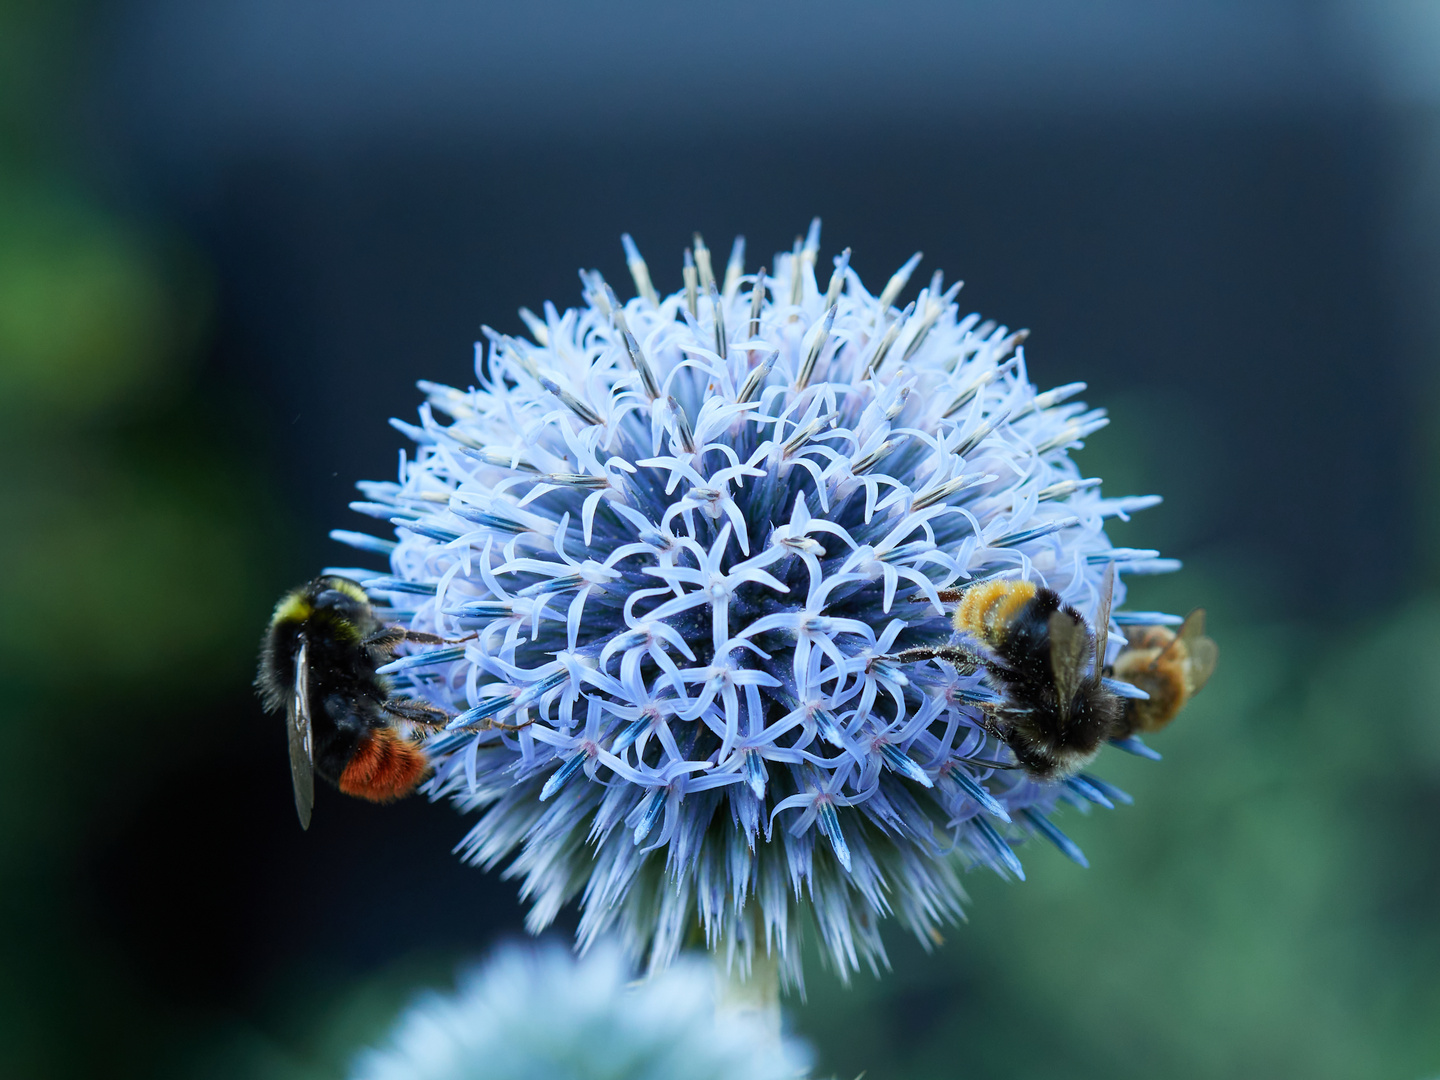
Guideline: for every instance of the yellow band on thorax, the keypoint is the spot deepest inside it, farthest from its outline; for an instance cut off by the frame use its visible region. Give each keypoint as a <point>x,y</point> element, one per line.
<point>293,607</point>
<point>991,605</point>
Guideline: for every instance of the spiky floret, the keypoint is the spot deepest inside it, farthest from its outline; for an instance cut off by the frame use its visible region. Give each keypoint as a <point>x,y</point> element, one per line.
<point>532,1013</point>
<point>688,533</point>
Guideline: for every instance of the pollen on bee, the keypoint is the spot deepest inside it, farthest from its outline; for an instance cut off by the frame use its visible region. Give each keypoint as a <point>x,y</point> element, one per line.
<point>384,768</point>
<point>992,604</point>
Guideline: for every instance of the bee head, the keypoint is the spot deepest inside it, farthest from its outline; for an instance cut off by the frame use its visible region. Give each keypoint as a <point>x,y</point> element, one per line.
<point>341,596</point>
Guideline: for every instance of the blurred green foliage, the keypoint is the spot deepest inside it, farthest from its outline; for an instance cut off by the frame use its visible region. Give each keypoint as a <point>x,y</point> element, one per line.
<point>128,553</point>
<point>88,323</point>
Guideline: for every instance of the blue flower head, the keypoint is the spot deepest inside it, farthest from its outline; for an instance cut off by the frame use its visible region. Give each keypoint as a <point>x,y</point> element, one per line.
<point>538,1014</point>
<point>676,543</point>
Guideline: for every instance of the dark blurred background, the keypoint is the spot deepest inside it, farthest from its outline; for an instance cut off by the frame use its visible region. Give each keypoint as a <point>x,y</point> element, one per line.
<point>233,235</point>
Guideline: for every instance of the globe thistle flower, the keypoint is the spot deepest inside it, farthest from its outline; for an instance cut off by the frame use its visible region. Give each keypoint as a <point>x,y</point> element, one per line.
<point>532,1013</point>
<point>676,542</point>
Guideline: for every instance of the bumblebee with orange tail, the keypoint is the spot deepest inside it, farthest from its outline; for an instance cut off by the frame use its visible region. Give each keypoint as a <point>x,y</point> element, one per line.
<point>1055,710</point>
<point>318,660</point>
<point>1170,667</point>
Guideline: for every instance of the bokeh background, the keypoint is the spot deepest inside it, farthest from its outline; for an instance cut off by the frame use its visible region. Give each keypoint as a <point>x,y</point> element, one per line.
<point>233,235</point>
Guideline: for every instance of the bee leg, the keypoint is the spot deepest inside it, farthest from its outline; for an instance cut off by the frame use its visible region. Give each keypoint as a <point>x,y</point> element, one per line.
<point>392,636</point>
<point>494,726</point>
<point>990,763</point>
<point>951,654</point>
<point>501,726</point>
<point>419,713</point>
<point>382,644</point>
<point>994,729</point>
<point>946,596</point>
<point>419,637</point>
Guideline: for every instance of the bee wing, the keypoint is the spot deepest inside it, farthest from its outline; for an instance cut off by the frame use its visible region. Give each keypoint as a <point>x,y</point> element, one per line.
<point>1102,617</point>
<point>1203,651</point>
<point>1068,642</point>
<point>1193,628</point>
<point>300,731</point>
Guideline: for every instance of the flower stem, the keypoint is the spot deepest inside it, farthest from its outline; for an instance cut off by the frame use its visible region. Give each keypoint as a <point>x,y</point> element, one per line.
<point>757,996</point>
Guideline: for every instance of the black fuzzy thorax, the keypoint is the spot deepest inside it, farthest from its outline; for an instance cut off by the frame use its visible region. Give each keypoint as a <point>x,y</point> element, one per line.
<point>345,692</point>
<point>1047,742</point>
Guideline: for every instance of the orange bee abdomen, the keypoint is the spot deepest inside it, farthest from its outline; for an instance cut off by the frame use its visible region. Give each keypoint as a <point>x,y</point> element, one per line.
<point>1160,665</point>
<point>384,767</point>
<point>988,608</point>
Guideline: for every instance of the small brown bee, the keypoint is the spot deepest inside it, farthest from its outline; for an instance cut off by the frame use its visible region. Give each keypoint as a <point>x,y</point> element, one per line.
<point>1170,667</point>
<point>318,660</point>
<point>1055,711</point>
